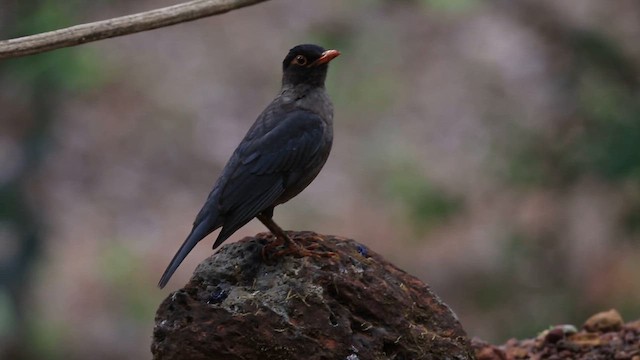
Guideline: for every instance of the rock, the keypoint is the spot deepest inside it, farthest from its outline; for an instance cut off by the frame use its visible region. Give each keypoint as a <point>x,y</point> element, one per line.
<point>557,333</point>
<point>566,342</point>
<point>604,321</point>
<point>354,305</point>
<point>486,351</point>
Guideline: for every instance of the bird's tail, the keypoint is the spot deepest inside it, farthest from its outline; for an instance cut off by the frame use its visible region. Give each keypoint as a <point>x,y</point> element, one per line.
<point>198,233</point>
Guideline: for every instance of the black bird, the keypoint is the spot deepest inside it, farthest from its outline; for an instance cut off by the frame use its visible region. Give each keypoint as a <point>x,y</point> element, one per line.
<point>279,156</point>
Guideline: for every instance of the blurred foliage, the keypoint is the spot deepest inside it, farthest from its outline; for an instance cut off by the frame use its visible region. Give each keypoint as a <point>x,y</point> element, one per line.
<point>530,279</point>
<point>425,205</point>
<point>602,136</point>
<point>631,216</point>
<point>610,144</point>
<point>70,68</point>
<point>42,80</point>
<point>357,92</point>
<point>6,313</point>
<point>45,15</point>
<point>442,6</point>
<point>596,51</point>
<point>529,164</point>
<point>46,339</point>
<point>333,35</point>
<point>608,97</point>
<point>450,6</point>
<point>123,271</point>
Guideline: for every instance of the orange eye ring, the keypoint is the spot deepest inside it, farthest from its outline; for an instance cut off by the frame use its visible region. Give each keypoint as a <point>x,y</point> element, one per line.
<point>300,60</point>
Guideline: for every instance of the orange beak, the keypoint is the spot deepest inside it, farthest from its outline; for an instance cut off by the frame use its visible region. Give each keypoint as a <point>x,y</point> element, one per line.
<point>325,57</point>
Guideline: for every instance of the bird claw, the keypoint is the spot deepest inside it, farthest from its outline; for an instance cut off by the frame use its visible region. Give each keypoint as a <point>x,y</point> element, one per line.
<point>307,251</point>
<point>267,248</point>
<point>294,249</point>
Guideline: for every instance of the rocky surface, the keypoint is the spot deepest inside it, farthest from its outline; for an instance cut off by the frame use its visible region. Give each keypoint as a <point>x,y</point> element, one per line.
<point>604,337</point>
<point>354,305</point>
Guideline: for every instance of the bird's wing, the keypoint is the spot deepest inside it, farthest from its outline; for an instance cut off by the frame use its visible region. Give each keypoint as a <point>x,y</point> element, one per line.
<point>290,145</point>
<point>259,176</point>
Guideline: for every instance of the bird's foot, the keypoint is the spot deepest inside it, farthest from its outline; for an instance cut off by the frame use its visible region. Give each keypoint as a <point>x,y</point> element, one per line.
<point>311,250</point>
<point>301,251</point>
<point>266,249</point>
<point>295,249</point>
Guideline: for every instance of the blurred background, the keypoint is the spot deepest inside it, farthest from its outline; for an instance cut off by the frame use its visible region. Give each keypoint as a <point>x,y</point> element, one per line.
<point>490,148</point>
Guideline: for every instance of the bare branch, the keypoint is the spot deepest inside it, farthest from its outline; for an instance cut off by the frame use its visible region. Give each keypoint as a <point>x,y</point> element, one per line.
<point>124,25</point>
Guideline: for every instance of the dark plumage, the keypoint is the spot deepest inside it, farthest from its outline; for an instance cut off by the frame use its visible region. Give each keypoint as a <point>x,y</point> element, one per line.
<point>279,156</point>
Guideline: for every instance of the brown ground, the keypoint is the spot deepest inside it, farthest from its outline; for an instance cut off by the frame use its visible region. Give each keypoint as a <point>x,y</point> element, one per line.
<point>603,336</point>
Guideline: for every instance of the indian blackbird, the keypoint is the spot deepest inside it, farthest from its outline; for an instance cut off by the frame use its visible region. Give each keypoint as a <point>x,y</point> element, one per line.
<point>279,156</point>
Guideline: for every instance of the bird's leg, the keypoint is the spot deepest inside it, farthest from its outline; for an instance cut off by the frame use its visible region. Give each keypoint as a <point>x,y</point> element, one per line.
<point>282,237</point>
<point>276,230</point>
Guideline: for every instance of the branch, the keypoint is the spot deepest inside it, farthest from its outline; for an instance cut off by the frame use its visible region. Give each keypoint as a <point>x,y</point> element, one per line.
<point>124,25</point>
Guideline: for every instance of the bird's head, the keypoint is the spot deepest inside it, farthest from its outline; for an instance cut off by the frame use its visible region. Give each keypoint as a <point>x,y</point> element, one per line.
<point>307,64</point>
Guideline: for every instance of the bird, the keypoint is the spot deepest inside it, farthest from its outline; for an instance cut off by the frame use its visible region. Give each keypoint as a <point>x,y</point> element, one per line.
<point>281,154</point>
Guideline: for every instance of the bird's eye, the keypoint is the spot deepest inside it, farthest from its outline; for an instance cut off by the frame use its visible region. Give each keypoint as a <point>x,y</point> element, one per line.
<point>300,60</point>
